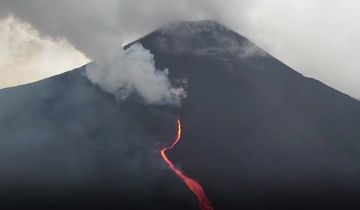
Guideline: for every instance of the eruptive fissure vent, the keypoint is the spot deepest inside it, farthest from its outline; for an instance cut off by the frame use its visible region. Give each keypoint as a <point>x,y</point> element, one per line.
<point>193,185</point>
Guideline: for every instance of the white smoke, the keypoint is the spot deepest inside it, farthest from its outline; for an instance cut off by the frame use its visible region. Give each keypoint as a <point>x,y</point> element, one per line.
<point>249,50</point>
<point>133,71</point>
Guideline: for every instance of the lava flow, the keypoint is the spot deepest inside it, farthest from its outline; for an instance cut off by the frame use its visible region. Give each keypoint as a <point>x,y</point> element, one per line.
<point>193,185</point>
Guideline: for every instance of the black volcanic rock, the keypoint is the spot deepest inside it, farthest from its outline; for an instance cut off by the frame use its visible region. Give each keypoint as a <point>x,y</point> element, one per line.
<point>257,134</point>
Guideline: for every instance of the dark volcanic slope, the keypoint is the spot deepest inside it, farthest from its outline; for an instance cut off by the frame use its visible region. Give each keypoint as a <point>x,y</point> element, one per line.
<point>257,134</point>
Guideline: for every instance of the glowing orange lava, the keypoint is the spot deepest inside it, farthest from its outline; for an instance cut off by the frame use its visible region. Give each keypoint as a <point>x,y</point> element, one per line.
<point>193,185</point>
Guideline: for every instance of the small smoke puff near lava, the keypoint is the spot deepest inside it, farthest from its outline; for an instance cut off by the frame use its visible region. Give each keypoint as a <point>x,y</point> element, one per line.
<point>133,70</point>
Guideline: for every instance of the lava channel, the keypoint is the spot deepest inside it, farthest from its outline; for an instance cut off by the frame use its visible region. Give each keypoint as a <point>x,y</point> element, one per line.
<point>193,185</point>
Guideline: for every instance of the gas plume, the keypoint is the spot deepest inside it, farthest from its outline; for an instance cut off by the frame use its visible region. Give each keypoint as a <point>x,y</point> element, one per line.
<point>133,71</point>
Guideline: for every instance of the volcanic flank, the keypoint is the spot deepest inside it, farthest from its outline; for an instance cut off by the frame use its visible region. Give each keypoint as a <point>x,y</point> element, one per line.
<point>257,134</point>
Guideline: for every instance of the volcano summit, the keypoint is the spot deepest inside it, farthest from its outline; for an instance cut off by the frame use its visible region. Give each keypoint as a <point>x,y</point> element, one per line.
<point>256,134</point>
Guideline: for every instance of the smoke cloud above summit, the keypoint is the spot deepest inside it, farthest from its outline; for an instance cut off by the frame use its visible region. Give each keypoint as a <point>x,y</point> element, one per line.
<point>317,38</point>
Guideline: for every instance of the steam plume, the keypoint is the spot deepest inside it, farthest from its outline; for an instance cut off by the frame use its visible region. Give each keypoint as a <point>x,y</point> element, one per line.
<point>133,70</point>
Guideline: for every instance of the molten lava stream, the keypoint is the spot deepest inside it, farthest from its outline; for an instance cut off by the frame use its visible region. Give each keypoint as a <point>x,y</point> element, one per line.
<point>193,185</point>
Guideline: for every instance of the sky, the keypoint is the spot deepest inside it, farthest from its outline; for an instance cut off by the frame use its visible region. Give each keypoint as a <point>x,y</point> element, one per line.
<point>25,56</point>
<point>41,38</point>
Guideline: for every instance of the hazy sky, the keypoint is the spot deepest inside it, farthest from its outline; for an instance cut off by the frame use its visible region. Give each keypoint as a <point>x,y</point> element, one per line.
<point>26,57</point>
<point>318,38</point>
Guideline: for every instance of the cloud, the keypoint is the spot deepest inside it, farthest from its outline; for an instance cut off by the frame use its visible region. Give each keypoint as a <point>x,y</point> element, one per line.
<point>133,70</point>
<point>98,28</point>
<point>25,56</point>
<point>317,38</point>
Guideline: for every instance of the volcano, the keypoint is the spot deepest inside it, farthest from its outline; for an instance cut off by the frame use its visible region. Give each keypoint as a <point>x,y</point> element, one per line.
<point>256,134</point>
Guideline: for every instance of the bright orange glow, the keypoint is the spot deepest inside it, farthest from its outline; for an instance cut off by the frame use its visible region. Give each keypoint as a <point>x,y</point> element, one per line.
<point>193,185</point>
